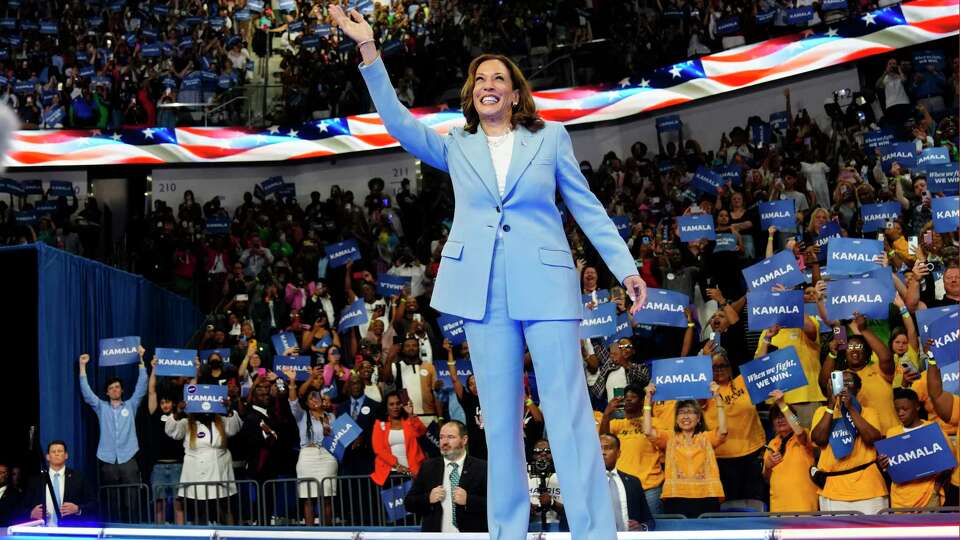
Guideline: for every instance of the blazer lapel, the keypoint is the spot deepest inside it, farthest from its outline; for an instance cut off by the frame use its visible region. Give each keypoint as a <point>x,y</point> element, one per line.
<point>525,146</point>
<point>474,146</point>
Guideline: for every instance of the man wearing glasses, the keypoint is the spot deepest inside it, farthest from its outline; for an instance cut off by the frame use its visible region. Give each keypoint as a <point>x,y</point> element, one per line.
<point>617,370</point>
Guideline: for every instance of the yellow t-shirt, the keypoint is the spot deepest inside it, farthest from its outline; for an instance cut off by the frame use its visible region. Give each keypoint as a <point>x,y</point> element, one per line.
<point>914,494</point>
<point>638,457</point>
<point>858,486</point>
<point>791,489</point>
<point>690,470</point>
<point>920,387</point>
<point>809,354</point>
<point>877,393</point>
<point>744,433</point>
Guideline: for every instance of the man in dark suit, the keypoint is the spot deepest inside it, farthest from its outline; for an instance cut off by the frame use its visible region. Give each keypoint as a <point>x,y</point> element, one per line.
<point>630,508</point>
<point>9,497</point>
<point>358,458</point>
<point>450,492</point>
<point>62,488</point>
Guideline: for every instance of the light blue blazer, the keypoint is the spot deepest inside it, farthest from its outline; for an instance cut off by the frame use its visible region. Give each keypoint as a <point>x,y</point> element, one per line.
<point>542,282</point>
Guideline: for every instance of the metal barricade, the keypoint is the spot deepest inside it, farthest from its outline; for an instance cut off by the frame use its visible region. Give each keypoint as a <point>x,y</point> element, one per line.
<point>723,515</point>
<point>358,502</point>
<point>234,502</point>
<point>284,506</point>
<point>924,510</point>
<point>124,503</point>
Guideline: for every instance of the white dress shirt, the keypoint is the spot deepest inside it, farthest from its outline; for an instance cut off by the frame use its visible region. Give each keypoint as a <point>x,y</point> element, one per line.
<point>623,495</point>
<point>447,502</point>
<point>501,150</point>
<point>58,481</point>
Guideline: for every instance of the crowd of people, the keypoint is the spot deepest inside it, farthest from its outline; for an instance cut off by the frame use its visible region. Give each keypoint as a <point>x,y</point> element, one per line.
<point>119,64</point>
<point>270,273</point>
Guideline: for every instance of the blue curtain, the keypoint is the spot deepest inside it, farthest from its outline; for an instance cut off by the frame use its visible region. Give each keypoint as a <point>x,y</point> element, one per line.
<point>81,301</point>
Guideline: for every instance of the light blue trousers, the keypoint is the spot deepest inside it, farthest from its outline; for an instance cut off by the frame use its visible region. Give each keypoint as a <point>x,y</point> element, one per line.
<point>496,350</point>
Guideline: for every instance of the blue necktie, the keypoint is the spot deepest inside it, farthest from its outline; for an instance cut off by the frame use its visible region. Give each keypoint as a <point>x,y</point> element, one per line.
<point>356,409</point>
<point>56,488</point>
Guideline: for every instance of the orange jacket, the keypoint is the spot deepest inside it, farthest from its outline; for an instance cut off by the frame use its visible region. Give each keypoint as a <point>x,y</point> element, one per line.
<point>413,429</point>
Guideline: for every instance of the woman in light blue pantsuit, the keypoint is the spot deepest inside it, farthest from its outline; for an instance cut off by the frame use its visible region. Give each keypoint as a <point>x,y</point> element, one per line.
<point>507,270</point>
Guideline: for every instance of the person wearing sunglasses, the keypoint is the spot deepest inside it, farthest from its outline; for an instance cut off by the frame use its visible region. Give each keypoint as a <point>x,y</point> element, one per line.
<point>618,370</point>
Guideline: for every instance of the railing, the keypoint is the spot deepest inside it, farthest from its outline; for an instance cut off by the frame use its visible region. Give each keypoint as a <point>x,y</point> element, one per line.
<point>358,502</point>
<point>125,503</point>
<point>234,502</point>
<point>285,502</point>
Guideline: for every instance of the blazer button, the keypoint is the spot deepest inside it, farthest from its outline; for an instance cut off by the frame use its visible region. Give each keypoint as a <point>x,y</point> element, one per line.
<point>506,228</point>
<point>498,209</point>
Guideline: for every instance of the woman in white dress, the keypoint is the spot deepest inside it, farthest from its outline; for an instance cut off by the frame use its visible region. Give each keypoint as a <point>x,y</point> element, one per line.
<point>207,460</point>
<point>315,462</point>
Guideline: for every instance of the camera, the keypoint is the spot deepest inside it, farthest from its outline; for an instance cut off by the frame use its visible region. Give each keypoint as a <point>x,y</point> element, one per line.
<point>541,468</point>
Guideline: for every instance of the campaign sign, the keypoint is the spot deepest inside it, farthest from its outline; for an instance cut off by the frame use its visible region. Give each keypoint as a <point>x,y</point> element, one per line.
<point>176,362</point>
<point>883,275</point>
<point>393,501</point>
<point>781,268</point>
<point>46,207</point>
<point>779,370</point>
<point>869,297</point>
<point>119,351</point>
<point>623,329</point>
<point>343,252</point>
<point>669,123</point>
<point>929,58</point>
<point>760,134</point>
<point>765,309</point>
<point>60,188</point>
<point>687,377</point>
<point>926,318</point>
<point>600,322</point>
<point>943,178</point>
<point>828,230</point>
<point>696,227</point>
<point>811,310</point>
<point>728,25</point>
<point>878,139</point>
<point>272,184</point>
<point>301,364</point>
<point>623,225</point>
<point>388,285</point>
<point>706,181</point>
<point>945,333</point>
<point>933,156</point>
<point>464,370</point>
<point>255,5</point>
<point>950,374</point>
<point>353,315</point>
<point>205,354</point>
<point>452,329</point>
<point>663,308</point>
<point>205,398</point>
<point>876,216</point>
<point>834,5</point>
<point>766,17</point>
<point>946,213</point>
<point>27,217</point>
<point>597,296</point>
<point>853,255</point>
<point>780,120</point>
<point>284,341</point>
<point>903,153</point>
<point>343,431</point>
<point>780,214</point>
<point>32,187</point>
<point>916,454</point>
<point>218,226</point>
<point>798,15</point>
<point>725,242</point>
<point>732,173</point>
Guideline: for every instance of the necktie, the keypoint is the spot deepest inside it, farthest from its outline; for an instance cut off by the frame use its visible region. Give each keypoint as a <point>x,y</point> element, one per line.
<point>454,483</point>
<point>356,409</point>
<point>615,497</point>
<point>56,489</point>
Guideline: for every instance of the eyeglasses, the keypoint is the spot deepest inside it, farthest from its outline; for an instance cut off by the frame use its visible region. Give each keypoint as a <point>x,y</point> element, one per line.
<point>854,346</point>
<point>541,450</point>
<point>625,346</point>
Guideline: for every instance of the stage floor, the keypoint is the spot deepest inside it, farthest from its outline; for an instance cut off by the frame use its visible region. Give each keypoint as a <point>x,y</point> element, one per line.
<point>907,527</point>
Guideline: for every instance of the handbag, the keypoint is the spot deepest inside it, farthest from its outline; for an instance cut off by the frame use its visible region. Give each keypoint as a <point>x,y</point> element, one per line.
<point>820,477</point>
